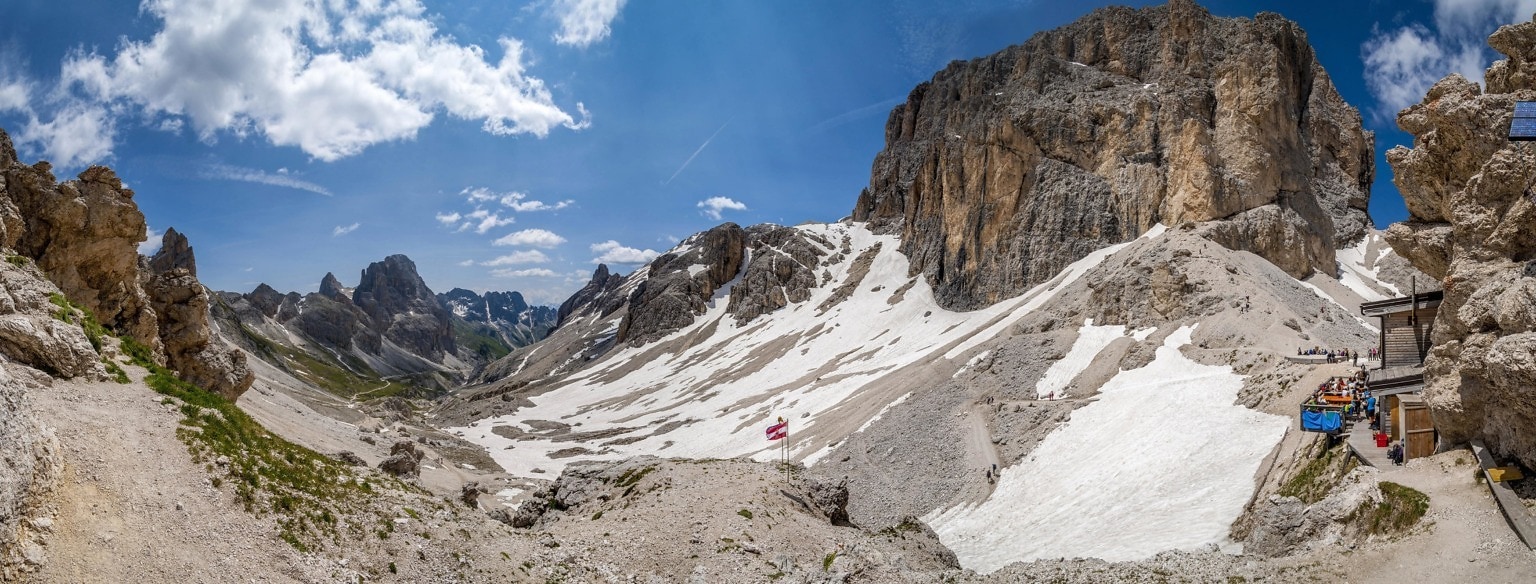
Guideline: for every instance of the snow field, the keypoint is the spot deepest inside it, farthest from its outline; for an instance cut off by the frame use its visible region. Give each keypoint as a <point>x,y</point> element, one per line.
<point>1163,460</point>
<point>794,362</point>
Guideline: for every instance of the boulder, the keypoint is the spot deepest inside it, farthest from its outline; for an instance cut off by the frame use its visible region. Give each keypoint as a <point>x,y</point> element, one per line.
<point>404,459</point>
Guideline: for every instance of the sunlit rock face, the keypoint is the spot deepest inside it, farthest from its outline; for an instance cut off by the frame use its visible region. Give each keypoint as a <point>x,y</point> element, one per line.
<point>1002,170</point>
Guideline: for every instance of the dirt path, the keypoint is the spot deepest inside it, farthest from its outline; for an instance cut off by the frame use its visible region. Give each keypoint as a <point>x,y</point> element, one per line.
<point>1463,538</point>
<point>133,507</point>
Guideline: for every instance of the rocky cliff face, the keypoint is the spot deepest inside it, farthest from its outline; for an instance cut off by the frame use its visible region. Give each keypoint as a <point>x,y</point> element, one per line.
<point>403,309</point>
<point>83,235</point>
<point>1472,224</point>
<point>1002,170</point>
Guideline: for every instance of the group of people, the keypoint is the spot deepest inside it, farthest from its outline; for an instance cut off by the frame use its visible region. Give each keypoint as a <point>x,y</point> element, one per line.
<point>1335,355</point>
<point>1350,392</point>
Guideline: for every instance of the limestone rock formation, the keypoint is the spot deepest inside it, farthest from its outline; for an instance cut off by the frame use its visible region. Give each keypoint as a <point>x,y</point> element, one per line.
<point>595,298</point>
<point>403,309</point>
<point>1000,171</point>
<point>83,235</point>
<point>331,288</point>
<point>175,252</point>
<point>404,459</point>
<point>782,271</point>
<point>30,470</point>
<point>1472,224</point>
<point>191,349</point>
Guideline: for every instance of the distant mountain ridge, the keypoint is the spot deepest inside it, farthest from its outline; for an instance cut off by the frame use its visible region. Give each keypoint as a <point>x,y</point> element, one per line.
<point>390,325</point>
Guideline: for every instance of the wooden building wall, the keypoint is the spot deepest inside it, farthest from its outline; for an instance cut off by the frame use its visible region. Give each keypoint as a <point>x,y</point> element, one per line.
<point>1406,339</point>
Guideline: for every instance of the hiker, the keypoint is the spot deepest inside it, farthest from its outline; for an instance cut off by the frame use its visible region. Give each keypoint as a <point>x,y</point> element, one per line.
<point>1355,355</point>
<point>1395,453</point>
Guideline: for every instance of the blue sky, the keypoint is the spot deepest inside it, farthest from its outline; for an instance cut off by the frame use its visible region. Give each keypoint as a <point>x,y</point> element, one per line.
<point>511,145</point>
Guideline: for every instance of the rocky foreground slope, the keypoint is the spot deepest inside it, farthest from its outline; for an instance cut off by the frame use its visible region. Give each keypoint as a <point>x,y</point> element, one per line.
<point>1472,225</point>
<point>1002,170</point>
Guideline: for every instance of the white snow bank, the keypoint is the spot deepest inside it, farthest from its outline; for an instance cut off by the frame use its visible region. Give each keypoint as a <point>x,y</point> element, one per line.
<point>1090,341</point>
<point>1163,460</point>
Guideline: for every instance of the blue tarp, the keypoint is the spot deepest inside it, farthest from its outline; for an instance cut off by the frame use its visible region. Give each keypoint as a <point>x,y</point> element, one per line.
<point>1321,421</point>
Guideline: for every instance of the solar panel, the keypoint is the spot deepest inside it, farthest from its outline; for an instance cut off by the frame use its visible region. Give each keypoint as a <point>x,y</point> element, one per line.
<point>1522,129</point>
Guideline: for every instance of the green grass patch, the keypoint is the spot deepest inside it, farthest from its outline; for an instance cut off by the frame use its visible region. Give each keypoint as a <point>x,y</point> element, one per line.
<point>116,371</point>
<point>340,379</point>
<point>1319,475</point>
<point>16,260</point>
<point>1400,509</point>
<point>308,493</point>
<point>745,513</point>
<point>826,563</point>
<point>480,339</point>
<point>76,314</point>
<point>633,476</point>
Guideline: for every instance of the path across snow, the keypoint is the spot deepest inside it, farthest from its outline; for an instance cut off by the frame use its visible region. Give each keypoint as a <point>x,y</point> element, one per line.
<point>1163,460</point>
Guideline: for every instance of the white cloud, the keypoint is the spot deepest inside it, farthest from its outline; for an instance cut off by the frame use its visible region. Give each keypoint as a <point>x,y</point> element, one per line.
<point>331,78</point>
<point>584,22</point>
<point>534,237</point>
<point>448,218</point>
<point>517,258</point>
<point>78,135</point>
<point>713,206</point>
<point>340,231</point>
<point>15,95</point>
<point>152,240</point>
<point>1402,63</point>
<point>482,221</point>
<point>527,273</point>
<point>514,200</point>
<point>467,263</point>
<point>281,178</point>
<point>611,252</point>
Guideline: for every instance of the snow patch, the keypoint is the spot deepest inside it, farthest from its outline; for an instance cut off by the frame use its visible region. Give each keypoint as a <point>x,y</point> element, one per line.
<point>1091,340</point>
<point>1163,460</point>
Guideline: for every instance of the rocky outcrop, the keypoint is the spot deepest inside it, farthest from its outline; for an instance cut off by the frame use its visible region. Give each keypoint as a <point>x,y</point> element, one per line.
<point>599,297</point>
<point>175,252</point>
<point>331,288</point>
<point>404,459</point>
<point>680,283</point>
<point>782,270</point>
<point>1472,224</point>
<point>181,305</point>
<point>83,235</point>
<point>1002,170</point>
<point>37,329</point>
